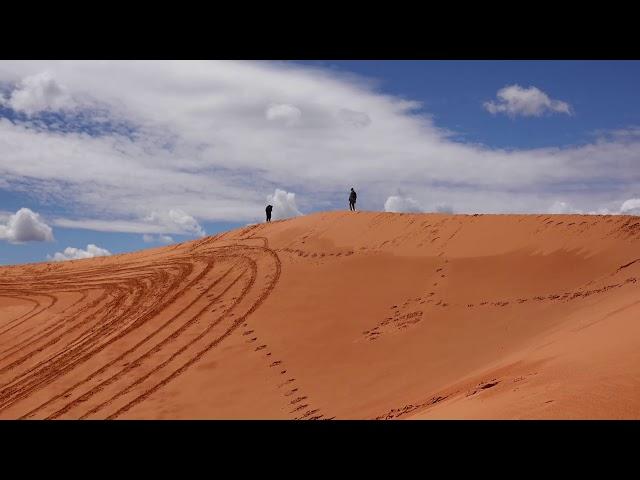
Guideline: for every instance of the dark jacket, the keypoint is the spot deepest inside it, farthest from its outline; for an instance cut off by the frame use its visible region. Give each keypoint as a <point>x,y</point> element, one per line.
<point>352,196</point>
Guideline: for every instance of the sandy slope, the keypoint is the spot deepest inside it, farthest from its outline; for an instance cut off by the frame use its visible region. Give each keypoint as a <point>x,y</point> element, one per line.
<point>336,315</point>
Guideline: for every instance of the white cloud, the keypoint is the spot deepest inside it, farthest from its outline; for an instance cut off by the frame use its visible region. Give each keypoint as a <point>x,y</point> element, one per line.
<point>186,222</point>
<point>157,238</point>
<point>176,220</point>
<point>157,222</point>
<point>39,92</point>
<point>25,226</point>
<point>600,211</point>
<point>287,114</point>
<point>397,204</point>
<point>284,204</point>
<point>631,207</point>
<point>628,207</point>
<point>560,207</point>
<point>351,117</point>
<point>528,102</point>
<point>72,253</point>
<point>443,208</point>
<point>623,134</point>
<point>215,155</point>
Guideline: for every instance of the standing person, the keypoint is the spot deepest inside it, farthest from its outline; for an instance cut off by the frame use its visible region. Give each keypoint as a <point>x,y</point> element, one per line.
<point>352,199</point>
<point>268,210</point>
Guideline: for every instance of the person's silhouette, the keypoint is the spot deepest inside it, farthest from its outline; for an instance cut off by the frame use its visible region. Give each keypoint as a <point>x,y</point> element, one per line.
<point>268,210</point>
<point>352,199</point>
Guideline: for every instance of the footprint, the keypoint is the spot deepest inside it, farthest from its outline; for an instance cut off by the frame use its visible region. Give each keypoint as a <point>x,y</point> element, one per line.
<point>310,412</point>
<point>489,385</point>
<point>297,409</point>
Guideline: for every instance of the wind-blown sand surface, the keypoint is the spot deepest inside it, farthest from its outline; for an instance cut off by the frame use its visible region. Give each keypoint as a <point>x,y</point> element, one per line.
<point>336,315</point>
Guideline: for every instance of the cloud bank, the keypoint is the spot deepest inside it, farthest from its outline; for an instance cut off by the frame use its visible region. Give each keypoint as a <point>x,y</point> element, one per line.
<point>209,140</point>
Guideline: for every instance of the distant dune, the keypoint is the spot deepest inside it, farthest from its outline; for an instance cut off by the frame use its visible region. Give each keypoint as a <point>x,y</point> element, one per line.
<point>336,315</point>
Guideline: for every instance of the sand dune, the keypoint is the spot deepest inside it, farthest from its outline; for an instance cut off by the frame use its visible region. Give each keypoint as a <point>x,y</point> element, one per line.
<point>336,315</point>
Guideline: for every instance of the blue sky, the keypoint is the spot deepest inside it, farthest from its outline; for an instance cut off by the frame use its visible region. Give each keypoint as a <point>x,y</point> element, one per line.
<point>604,95</point>
<point>169,151</point>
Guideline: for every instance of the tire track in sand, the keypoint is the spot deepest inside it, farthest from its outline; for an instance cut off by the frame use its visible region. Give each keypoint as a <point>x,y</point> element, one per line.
<point>127,299</point>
